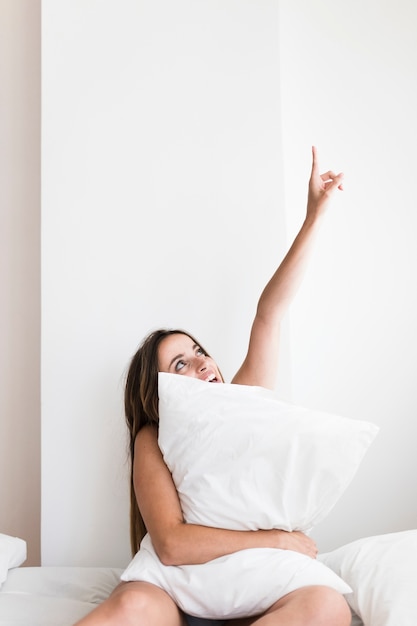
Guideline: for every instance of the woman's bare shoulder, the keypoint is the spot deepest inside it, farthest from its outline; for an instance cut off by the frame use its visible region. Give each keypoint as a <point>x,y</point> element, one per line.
<point>147,438</point>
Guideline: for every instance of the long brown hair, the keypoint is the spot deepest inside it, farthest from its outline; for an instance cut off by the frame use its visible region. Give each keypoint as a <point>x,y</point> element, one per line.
<point>141,409</point>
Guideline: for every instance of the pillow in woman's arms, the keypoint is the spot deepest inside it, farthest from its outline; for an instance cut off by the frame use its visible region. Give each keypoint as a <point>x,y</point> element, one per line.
<point>235,585</point>
<point>243,459</point>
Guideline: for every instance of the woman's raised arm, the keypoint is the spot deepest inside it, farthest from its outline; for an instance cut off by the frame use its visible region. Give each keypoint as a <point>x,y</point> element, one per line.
<point>261,363</point>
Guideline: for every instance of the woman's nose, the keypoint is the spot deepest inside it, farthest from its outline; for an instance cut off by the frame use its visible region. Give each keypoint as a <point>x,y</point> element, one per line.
<point>201,363</point>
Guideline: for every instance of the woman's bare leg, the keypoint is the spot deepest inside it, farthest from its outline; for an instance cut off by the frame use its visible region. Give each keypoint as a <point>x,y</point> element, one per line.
<point>309,606</point>
<point>134,603</point>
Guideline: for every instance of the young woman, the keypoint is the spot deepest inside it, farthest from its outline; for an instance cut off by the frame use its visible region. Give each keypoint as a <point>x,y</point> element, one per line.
<point>155,506</point>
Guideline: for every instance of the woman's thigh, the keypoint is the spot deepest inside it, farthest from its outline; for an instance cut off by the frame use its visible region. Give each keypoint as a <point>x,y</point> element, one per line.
<point>315,605</point>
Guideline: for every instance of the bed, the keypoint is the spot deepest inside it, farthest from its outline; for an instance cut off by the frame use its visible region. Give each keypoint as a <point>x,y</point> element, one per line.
<point>381,570</point>
<point>53,596</point>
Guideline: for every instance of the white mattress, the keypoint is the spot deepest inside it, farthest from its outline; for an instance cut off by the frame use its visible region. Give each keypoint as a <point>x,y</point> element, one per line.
<point>58,596</point>
<point>53,596</point>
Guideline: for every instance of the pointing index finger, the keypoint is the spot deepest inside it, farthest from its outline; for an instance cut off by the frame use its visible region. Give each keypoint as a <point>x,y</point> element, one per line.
<point>315,164</point>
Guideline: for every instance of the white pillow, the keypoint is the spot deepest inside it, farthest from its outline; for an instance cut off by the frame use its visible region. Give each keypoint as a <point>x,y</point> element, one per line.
<point>12,554</point>
<point>236,585</point>
<point>243,459</point>
<point>382,572</point>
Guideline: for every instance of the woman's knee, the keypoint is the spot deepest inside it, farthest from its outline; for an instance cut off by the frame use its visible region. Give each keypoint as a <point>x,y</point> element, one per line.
<point>131,599</point>
<point>315,605</point>
<point>151,603</point>
<point>328,607</point>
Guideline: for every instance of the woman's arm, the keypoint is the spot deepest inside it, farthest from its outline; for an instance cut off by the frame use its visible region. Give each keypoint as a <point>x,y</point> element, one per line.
<point>261,362</point>
<point>178,543</point>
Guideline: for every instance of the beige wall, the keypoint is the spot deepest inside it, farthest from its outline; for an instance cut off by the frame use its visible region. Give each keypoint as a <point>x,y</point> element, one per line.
<point>20,272</point>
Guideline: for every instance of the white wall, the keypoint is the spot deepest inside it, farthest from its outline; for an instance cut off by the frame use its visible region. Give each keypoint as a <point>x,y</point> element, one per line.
<point>349,85</point>
<point>162,205</point>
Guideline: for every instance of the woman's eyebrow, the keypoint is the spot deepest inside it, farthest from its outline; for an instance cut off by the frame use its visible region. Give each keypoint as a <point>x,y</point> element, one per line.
<point>179,356</point>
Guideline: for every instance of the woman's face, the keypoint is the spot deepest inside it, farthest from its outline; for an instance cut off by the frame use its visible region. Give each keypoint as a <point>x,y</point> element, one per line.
<point>178,354</point>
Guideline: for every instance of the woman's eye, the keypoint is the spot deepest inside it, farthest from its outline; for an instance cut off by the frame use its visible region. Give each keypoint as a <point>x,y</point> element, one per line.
<point>200,352</point>
<point>179,365</point>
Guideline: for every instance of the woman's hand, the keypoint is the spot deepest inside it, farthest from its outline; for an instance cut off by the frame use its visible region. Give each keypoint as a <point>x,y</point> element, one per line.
<point>321,187</point>
<point>296,541</point>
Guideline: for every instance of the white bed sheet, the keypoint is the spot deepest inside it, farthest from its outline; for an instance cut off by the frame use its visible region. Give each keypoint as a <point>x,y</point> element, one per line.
<point>58,596</point>
<point>53,596</point>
